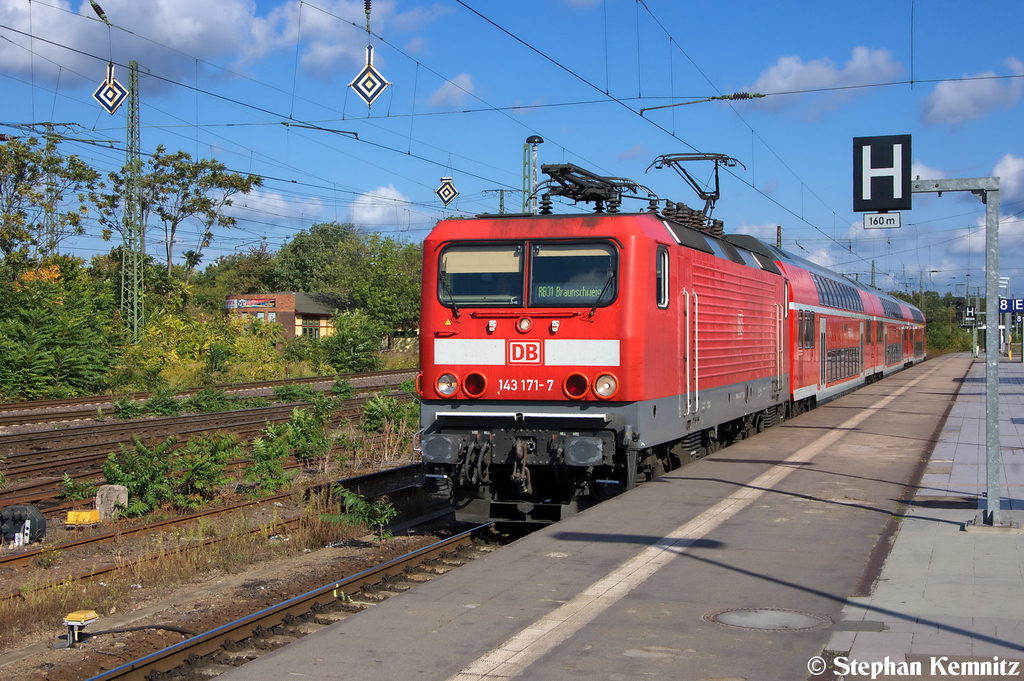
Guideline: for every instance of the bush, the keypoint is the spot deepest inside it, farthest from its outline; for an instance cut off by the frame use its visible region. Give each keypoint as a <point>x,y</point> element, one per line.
<point>306,435</point>
<point>305,349</point>
<point>163,403</point>
<point>288,393</point>
<point>359,511</point>
<point>380,411</point>
<point>127,408</point>
<point>343,389</point>
<point>145,472</point>
<point>207,400</point>
<point>75,490</point>
<point>266,460</point>
<point>203,462</point>
<point>248,402</point>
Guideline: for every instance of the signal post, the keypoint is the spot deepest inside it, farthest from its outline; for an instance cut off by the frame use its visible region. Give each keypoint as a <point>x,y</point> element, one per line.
<point>881,181</point>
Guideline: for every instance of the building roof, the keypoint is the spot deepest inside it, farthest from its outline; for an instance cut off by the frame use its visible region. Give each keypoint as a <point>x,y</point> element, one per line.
<point>318,303</point>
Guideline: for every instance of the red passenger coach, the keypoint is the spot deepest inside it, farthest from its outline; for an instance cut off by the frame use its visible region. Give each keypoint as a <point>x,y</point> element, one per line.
<point>563,356</point>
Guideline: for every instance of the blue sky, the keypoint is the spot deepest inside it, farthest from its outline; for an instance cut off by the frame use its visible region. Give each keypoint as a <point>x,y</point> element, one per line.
<point>262,87</point>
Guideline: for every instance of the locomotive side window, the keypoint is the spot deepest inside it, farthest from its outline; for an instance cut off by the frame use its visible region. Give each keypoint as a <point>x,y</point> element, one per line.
<point>572,275</point>
<point>719,250</point>
<point>489,275</point>
<point>748,258</point>
<point>661,277</point>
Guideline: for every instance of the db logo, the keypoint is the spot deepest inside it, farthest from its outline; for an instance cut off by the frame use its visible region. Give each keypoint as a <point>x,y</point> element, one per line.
<point>524,352</point>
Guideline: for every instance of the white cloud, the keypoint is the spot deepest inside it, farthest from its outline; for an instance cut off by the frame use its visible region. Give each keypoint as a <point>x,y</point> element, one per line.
<point>635,151</point>
<point>70,41</point>
<point>820,256</point>
<point>416,19</point>
<point>384,206</point>
<point>766,232</point>
<point>1011,171</point>
<point>920,171</point>
<point>416,45</point>
<point>454,92</point>
<point>793,74</point>
<point>959,101</point>
<point>265,206</point>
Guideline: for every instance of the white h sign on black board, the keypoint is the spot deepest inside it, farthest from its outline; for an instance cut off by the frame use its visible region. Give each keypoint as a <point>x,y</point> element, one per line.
<point>881,173</point>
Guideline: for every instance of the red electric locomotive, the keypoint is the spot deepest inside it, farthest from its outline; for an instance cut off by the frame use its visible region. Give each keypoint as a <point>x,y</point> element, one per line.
<point>563,356</point>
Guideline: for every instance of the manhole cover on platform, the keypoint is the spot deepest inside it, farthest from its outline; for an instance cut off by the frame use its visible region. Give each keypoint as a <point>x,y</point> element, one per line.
<point>769,619</point>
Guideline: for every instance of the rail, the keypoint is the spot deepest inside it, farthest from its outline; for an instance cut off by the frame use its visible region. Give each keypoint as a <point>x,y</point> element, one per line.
<point>246,627</point>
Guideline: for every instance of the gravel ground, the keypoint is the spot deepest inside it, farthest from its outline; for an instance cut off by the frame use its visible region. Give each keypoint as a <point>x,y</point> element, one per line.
<point>198,606</point>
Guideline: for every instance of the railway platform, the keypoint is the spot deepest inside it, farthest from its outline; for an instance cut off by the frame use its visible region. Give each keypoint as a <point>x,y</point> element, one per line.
<point>835,538</point>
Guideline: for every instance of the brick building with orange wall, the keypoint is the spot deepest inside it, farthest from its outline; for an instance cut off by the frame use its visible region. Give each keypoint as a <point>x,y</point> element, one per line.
<point>301,314</point>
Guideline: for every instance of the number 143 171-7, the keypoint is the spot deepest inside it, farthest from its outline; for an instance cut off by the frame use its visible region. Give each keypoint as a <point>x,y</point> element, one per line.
<point>527,384</point>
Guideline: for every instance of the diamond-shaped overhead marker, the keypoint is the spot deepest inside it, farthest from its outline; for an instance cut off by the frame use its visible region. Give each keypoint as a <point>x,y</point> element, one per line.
<point>110,94</point>
<point>447,191</point>
<point>369,84</point>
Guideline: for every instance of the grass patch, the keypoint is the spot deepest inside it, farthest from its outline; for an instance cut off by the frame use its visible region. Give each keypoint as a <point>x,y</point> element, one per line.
<point>49,593</point>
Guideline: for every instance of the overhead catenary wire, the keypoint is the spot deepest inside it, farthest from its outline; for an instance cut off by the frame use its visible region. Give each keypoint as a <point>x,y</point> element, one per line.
<point>408,144</point>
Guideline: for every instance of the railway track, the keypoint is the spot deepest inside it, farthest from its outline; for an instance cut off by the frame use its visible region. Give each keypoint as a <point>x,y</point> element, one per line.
<point>80,452</point>
<point>44,411</point>
<point>240,641</point>
<point>370,485</point>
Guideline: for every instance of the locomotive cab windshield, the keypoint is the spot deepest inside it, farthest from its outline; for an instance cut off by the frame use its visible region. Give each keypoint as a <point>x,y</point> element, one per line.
<point>557,274</point>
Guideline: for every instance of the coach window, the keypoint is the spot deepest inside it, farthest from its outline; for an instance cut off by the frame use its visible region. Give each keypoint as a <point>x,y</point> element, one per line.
<point>661,277</point>
<point>572,275</point>
<point>809,343</point>
<point>800,326</point>
<point>490,275</point>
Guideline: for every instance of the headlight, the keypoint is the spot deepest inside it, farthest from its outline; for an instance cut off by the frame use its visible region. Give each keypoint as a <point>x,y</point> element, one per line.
<point>606,386</point>
<point>447,384</point>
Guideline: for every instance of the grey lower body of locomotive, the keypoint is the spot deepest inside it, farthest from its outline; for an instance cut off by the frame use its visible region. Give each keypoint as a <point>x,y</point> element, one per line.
<point>541,461</point>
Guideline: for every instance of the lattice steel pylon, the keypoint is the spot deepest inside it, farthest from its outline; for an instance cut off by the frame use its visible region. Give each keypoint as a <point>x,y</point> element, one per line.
<point>133,252</point>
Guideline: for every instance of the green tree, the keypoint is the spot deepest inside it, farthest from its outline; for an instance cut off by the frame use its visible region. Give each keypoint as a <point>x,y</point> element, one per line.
<point>943,333</point>
<point>176,189</point>
<point>387,282</point>
<point>354,345</point>
<point>58,337</point>
<point>315,260</point>
<point>238,273</point>
<point>36,209</point>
